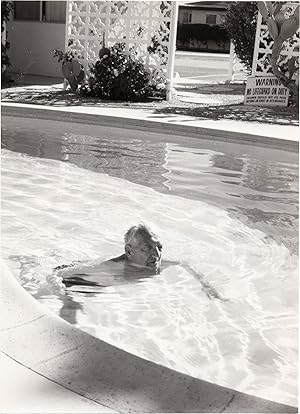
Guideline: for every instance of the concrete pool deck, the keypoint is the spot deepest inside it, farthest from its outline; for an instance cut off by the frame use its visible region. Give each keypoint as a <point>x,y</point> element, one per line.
<point>71,371</point>
<point>24,390</point>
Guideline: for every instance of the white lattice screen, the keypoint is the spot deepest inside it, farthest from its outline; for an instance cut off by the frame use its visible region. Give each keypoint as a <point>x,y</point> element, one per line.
<point>134,23</point>
<point>263,46</point>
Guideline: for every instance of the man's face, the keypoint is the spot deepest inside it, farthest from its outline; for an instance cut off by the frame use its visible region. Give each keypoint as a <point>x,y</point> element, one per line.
<point>145,251</point>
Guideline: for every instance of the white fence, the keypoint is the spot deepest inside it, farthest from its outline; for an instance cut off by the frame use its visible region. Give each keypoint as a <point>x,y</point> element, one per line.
<point>90,25</point>
<point>263,46</point>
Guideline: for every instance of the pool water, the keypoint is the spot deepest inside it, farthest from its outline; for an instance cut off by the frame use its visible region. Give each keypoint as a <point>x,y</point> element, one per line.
<point>70,192</point>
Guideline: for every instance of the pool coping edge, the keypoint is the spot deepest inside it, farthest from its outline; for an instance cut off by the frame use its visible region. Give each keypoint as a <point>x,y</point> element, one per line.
<point>117,121</point>
<point>130,390</point>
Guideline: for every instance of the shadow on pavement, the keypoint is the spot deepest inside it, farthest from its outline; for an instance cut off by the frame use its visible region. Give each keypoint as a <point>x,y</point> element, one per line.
<point>226,110</point>
<point>279,116</point>
<point>31,95</point>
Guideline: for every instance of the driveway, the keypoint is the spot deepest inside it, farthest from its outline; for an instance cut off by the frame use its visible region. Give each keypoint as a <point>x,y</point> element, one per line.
<point>201,67</point>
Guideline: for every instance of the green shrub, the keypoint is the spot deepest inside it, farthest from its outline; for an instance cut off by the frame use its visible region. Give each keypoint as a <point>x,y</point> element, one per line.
<point>156,48</point>
<point>119,76</point>
<point>240,23</point>
<point>6,10</point>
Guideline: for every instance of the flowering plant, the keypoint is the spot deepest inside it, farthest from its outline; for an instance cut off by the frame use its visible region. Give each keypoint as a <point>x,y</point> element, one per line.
<point>118,75</point>
<point>71,68</point>
<point>67,56</point>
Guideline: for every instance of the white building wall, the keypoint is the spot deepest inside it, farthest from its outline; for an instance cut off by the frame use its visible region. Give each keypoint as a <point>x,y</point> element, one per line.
<point>199,16</point>
<point>36,59</point>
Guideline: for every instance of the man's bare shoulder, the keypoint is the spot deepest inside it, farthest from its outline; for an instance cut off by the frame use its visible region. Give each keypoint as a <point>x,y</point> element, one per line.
<point>90,267</point>
<point>117,259</point>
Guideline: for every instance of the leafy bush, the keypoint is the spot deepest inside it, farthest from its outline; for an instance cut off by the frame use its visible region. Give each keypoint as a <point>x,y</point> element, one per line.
<point>69,55</point>
<point>240,23</point>
<point>156,47</point>
<point>64,57</point>
<point>119,76</point>
<point>6,10</point>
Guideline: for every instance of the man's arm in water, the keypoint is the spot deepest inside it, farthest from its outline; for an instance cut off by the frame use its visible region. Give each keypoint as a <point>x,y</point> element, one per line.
<point>209,290</point>
<point>91,273</point>
<point>73,275</point>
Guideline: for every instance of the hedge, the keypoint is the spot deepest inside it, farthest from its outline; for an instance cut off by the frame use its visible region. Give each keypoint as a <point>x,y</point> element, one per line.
<point>201,32</point>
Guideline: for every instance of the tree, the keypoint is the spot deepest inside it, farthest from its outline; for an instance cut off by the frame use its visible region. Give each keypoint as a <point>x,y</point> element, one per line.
<point>6,10</point>
<point>282,27</point>
<point>240,24</point>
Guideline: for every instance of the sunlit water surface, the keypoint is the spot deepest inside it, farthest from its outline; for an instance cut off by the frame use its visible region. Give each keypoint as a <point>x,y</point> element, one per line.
<point>69,192</point>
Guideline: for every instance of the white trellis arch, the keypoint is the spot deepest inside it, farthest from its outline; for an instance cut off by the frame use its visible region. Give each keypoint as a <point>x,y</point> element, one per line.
<point>134,23</point>
<point>237,70</point>
<point>263,46</point>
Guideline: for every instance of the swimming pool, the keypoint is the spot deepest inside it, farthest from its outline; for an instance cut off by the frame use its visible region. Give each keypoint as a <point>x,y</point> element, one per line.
<point>70,191</point>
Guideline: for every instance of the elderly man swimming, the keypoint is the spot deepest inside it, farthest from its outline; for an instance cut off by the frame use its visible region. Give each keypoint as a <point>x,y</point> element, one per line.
<point>142,258</point>
<point>142,249</point>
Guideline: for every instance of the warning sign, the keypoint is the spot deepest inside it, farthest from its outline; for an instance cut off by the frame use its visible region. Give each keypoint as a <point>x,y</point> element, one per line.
<point>265,90</point>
